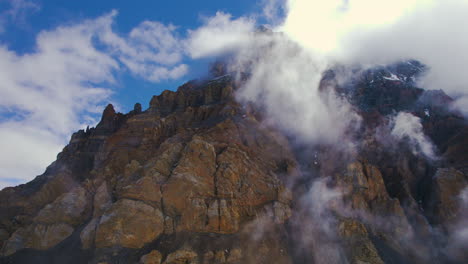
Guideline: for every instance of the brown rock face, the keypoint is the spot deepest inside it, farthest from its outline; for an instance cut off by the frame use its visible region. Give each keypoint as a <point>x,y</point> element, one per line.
<point>199,178</point>
<point>188,166</point>
<point>129,224</point>
<point>38,236</point>
<point>54,223</point>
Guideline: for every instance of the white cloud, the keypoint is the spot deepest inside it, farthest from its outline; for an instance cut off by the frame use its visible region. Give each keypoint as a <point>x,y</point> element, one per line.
<point>320,25</point>
<point>218,35</point>
<point>408,126</point>
<point>461,103</point>
<point>47,94</point>
<point>26,151</point>
<point>51,88</point>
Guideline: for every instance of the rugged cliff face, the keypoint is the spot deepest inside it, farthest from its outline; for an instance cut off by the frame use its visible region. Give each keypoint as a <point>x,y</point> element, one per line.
<point>200,178</point>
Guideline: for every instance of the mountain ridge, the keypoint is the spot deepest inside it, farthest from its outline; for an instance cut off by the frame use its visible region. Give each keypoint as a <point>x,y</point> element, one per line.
<point>198,177</point>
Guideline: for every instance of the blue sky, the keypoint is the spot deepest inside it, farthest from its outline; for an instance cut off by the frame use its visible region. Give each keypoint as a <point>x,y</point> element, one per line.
<point>20,32</point>
<point>62,61</point>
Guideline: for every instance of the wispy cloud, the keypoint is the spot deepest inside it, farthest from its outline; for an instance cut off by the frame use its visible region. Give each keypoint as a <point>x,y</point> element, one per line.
<point>151,50</point>
<point>47,94</point>
<point>17,12</point>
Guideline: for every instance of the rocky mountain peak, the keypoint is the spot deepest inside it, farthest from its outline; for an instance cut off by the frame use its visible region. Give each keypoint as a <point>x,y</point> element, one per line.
<point>109,113</point>
<point>198,177</point>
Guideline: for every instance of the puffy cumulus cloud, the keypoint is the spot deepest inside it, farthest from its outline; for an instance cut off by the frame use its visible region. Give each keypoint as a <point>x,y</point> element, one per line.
<point>373,32</point>
<point>408,126</point>
<point>219,34</point>
<point>47,94</point>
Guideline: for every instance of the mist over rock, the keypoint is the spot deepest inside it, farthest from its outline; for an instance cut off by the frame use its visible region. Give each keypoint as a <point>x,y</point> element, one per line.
<point>200,176</point>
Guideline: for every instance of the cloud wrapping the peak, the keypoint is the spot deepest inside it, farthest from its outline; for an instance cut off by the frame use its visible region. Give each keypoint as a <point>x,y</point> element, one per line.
<point>285,81</point>
<point>371,32</point>
<point>284,77</point>
<point>285,70</point>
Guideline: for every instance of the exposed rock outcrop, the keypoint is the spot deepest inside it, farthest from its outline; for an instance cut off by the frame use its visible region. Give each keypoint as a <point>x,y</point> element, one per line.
<point>199,178</point>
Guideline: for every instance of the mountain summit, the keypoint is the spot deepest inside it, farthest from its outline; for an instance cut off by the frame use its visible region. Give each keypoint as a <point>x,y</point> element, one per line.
<point>200,177</point>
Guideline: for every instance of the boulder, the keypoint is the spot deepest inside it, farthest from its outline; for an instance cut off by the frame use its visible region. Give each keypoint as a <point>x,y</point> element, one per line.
<point>71,208</point>
<point>37,236</point>
<point>182,256</point>
<point>154,257</point>
<point>129,224</point>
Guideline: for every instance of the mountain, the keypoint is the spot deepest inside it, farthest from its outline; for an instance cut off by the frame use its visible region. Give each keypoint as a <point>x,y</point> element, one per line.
<point>199,177</point>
